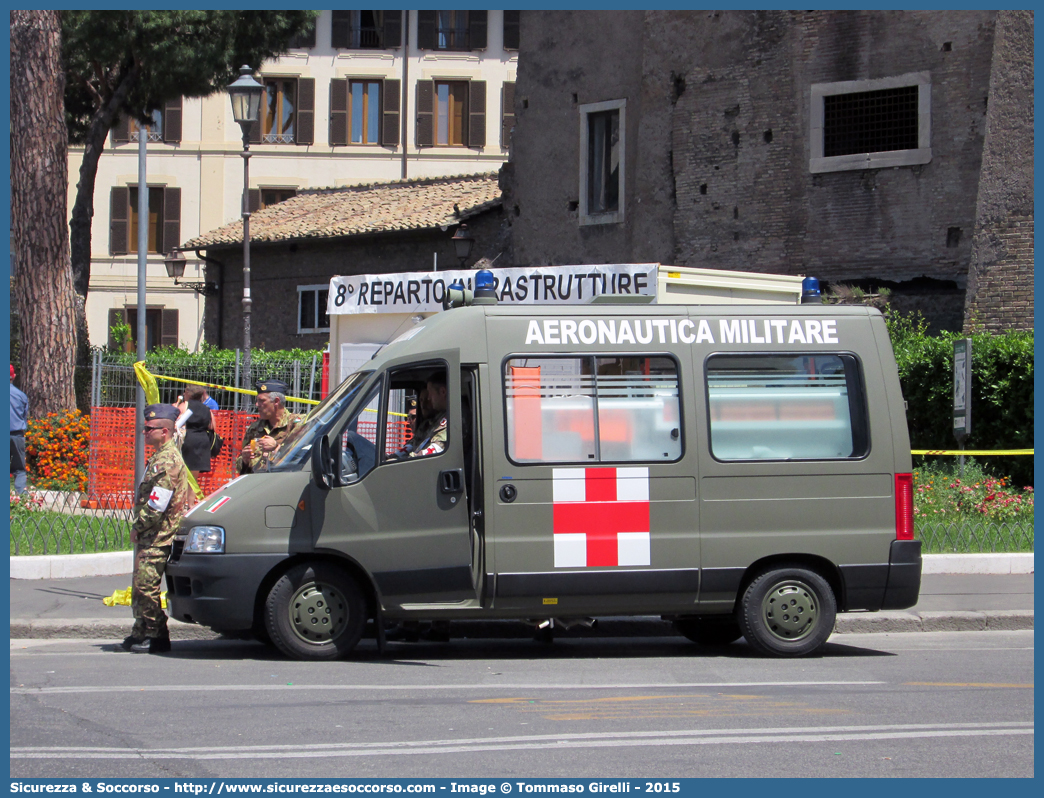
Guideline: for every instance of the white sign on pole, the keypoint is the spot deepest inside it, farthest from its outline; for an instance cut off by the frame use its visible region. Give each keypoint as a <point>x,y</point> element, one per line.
<point>423,292</point>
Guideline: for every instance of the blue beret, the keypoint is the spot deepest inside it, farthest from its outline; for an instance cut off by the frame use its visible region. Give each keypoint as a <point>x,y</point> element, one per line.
<point>169,412</point>
<point>272,386</point>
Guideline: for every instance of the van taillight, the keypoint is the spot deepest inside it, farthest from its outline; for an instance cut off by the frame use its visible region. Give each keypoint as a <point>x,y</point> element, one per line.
<point>904,523</point>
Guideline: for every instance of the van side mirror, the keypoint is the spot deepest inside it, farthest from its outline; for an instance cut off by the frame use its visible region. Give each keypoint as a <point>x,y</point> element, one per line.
<point>323,464</point>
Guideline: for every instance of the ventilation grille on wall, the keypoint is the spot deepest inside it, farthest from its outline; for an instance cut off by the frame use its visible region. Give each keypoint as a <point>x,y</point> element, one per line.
<point>870,121</point>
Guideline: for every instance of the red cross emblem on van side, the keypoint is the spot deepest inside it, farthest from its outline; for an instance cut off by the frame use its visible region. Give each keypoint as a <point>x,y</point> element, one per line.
<point>601,517</point>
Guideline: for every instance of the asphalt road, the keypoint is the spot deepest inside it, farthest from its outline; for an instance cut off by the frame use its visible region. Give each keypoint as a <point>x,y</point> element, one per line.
<point>940,704</point>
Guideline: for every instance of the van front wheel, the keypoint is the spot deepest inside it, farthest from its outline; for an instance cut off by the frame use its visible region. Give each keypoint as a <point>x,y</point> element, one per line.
<point>315,611</point>
<point>787,611</point>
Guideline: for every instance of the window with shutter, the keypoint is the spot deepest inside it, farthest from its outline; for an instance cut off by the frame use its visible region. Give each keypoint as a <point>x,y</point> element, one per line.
<point>254,200</point>
<point>169,334</point>
<point>390,115</point>
<point>477,25</point>
<point>338,112</point>
<point>507,113</point>
<point>155,220</point>
<point>364,111</point>
<point>451,113</point>
<point>476,114</point>
<point>305,111</point>
<point>121,130</point>
<point>172,121</point>
<point>153,130</point>
<point>425,30</point>
<point>392,30</point>
<point>279,111</point>
<point>171,219</point>
<point>511,29</point>
<point>425,113</point>
<point>119,220</point>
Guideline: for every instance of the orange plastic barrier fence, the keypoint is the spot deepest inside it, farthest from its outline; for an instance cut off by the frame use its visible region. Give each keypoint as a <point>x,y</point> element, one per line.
<point>110,475</point>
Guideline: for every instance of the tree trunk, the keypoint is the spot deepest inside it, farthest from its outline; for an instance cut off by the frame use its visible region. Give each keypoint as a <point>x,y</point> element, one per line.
<point>40,235</point>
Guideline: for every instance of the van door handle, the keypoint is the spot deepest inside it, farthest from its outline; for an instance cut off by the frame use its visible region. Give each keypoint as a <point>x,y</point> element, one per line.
<point>451,481</point>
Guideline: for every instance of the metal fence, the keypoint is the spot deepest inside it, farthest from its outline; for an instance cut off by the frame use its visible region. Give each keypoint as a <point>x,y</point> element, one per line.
<point>114,384</point>
<point>58,522</point>
<point>974,537</point>
<point>53,522</point>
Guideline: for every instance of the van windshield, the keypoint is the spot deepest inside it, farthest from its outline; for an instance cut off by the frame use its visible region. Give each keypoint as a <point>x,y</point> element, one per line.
<point>297,448</point>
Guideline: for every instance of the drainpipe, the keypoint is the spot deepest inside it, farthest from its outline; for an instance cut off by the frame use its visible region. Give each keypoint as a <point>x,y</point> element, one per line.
<point>405,85</point>
<point>221,293</point>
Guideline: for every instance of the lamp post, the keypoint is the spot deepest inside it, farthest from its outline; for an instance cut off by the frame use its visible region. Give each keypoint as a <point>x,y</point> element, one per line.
<point>245,94</point>
<point>462,243</point>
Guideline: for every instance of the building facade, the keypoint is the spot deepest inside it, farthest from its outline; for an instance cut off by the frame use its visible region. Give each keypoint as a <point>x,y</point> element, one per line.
<point>367,96</point>
<point>845,145</point>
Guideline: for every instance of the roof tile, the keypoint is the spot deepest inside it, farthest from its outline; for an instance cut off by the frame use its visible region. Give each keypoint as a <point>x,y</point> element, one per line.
<point>352,210</point>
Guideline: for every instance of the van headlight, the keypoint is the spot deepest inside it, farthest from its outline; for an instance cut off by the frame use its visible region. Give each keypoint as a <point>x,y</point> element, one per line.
<point>205,540</point>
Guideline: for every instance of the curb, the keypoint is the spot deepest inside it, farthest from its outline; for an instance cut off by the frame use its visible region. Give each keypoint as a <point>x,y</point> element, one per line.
<point>64,566</point>
<point>977,563</point>
<point>853,623</point>
<point>67,566</point>
<point>948,621</point>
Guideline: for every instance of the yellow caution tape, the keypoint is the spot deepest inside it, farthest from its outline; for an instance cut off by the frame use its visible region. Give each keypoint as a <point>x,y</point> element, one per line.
<point>142,371</point>
<point>123,597</point>
<point>975,452</point>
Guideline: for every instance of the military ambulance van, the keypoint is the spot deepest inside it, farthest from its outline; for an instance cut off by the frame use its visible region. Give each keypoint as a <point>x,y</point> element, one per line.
<point>739,470</point>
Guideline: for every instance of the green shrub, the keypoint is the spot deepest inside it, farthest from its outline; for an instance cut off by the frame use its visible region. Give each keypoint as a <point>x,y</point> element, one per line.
<point>1001,391</point>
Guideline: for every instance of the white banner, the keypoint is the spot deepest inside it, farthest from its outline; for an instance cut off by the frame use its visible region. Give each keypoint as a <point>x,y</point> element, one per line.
<point>422,292</point>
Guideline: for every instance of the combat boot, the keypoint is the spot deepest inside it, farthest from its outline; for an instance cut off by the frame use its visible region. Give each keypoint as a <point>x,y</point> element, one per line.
<point>152,645</point>
<point>130,641</point>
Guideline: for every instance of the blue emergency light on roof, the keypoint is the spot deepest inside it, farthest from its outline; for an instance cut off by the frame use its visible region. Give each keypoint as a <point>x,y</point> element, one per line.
<point>810,291</point>
<point>485,288</point>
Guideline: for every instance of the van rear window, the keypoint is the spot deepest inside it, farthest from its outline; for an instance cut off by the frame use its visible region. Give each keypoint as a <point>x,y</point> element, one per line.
<point>786,407</point>
<point>592,409</point>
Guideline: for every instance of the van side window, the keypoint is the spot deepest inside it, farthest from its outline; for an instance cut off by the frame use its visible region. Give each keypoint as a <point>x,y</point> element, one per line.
<point>786,407</point>
<point>418,413</point>
<point>592,409</point>
<point>359,442</point>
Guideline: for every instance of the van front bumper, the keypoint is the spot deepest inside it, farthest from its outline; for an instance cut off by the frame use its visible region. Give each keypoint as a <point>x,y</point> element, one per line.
<point>895,585</point>
<point>217,590</point>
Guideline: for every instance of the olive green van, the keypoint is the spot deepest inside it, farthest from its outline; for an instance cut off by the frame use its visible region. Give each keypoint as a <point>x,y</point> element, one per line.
<point>739,470</point>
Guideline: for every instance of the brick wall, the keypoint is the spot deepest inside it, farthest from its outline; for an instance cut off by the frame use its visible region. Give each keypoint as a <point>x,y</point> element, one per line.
<point>276,270</point>
<point>718,149</point>
<point>1000,284</point>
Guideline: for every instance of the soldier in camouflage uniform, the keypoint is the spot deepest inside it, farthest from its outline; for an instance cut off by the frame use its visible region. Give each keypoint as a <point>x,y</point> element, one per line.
<point>433,437</point>
<point>265,435</point>
<point>163,498</point>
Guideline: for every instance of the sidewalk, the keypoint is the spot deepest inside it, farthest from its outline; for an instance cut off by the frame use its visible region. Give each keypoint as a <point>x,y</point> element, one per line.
<point>72,608</point>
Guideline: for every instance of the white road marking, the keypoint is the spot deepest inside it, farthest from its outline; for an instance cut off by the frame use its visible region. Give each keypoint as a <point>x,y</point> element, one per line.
<point>296,687</point>
<point>776,736</point>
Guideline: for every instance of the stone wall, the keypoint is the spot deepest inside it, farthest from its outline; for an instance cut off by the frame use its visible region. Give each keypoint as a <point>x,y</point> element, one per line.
<point>1000,283</point>
<point>717,156</point>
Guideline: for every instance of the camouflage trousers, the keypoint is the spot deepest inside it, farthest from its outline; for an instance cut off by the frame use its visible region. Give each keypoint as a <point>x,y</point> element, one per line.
<point>149,618</point>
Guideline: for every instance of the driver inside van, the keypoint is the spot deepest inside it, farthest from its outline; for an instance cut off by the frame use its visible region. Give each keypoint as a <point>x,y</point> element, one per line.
<point>432,434</point>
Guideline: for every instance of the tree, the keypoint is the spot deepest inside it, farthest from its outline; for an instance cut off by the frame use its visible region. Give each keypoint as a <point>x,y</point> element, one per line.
<point>132,62</point>
<point>44,294</point>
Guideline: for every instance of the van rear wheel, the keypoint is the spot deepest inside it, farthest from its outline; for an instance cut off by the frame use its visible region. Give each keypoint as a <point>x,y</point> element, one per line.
<point>315,611</point>
<point>709,630</point>
<point>787,611</point>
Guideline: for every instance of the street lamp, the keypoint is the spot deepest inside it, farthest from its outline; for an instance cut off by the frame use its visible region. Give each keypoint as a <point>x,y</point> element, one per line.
<point>174,263</point>
<point>462,243</point>
<point>245,94</point>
